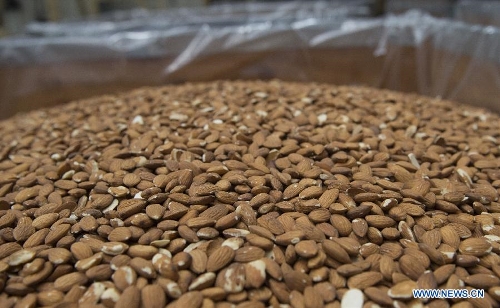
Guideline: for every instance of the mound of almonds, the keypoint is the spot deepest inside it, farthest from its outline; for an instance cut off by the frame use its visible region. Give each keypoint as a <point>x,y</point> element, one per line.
<point>249,194</point>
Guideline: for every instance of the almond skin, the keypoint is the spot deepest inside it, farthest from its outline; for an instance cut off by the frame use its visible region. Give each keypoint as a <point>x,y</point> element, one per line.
<point>364,280</point>
<point>23,229</point>
<point>130,297</point>
<point>475,246</point>
<point>335,251</point>
<point>153,296</point>
<point>220,258</point>
<point>64,283</point>
<point>190,299</point>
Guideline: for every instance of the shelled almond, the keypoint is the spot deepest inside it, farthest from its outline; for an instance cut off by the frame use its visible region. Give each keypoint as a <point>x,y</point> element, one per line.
<point>249,194</point>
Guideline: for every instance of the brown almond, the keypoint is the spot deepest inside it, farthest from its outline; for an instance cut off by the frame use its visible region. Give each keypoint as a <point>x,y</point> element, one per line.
<point>26,194</point>
<point>400,173</point>
<point>443,272</point>
<point>475,246</point>
<point>259,241</point>
<point>311,192</point>
<point>379,221</point>
<point>342,224</point>
<point>292,191</point>
<point>328,197</point>
<point>378,295</point>
<point>59,255</point>
<point>57,233</point>
<point>296,280</point>
<point>364,280</point>
<point>45,220</point>
<point>8,219</point>
<point>81,250</point>
<point>124,277</point>
<point>350,245</point>
<point>290,237</point>
<point>23,229</point>
<point>50,297</point>
<point>432,238</point>
<point>273,269</point>
<point>206,189</point>
<point>199,261</point>
<point>255,272</point>
<point>86,263</point>
<point>129,207</point>
<point>114,248</point>
<point>402,290</point>
<point>65,282</point>
<point>232,278</point>
<point>461,230</point>
<point>190,299</point>
<point>153,296</point>
<point>411,267</point>
<point>7,249</point>
<point>120,234</point>
<point>29,300</point>
<point>412,209</point>
<point>248,254</point>
<point>306,249</point>
<point>312,298</point>
<point>143,267</point>
<point>220,258</point>
<point>449,236</point>
<point>200,222</point>
<point>142,251</point>
<point>482,281</point>
<point>387,267</point>
<point>39,276</point>
<point>131,179</point>
<point>359,227</point>
<point>100,201</point>
<point>130,298</point>
<point>155,211</point>
<point>427,281</point>
<point>21,257</point>
<point>203,281</point>
<point>335,251</point>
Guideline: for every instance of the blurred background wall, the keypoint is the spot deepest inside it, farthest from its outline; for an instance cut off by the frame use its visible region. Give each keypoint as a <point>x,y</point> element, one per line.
<point>15,14</point>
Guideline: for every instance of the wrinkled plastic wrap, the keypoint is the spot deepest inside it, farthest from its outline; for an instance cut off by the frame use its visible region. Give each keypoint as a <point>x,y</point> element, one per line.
<point>411,52</point>
<point>453,60</point>
<point>440,8</point>
<point>484,12</point>
<point>217,15</point>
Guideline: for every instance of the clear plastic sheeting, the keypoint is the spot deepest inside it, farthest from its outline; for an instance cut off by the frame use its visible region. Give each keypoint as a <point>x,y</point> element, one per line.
<point>413,52</point>
<point>216,15</point>
<point>453,60</point>
<point>478,12</point>
<point>440,8</point>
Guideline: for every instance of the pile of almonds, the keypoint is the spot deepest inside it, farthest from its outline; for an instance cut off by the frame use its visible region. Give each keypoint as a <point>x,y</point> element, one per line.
<point>249,194</point>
